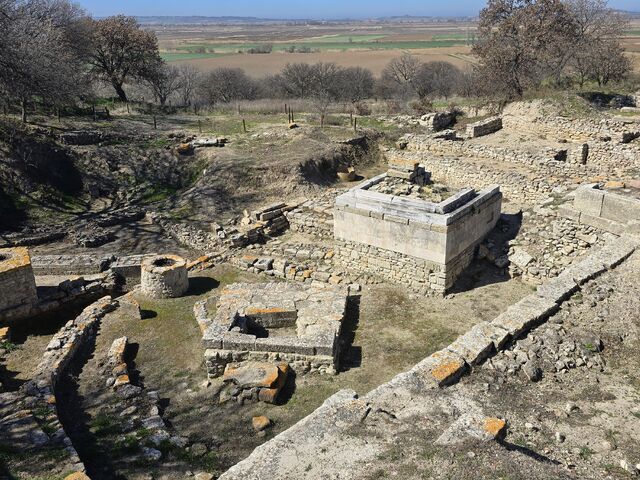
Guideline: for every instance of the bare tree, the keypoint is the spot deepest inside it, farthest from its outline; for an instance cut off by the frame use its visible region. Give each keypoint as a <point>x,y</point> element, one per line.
<point>189,77</point>
<point>596,48</point>
<point>355,84</point>
<point>39,54</point>
<point>164,80</point>
<point>437,79</point>
<point>402,70</point>
<point>518,39</point>
<point>608,62</point>
<point>298,79</point>
<point>122,50</point>
<point>224,85</point>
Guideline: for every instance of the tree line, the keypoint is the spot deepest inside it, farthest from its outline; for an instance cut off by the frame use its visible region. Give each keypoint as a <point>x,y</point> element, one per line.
<point>53,53</point>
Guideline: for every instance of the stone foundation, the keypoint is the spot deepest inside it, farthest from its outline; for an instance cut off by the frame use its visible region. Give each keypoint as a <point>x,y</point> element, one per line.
<point>605,210</point>
<point>422,244</point>
<point>164,276</point>
<point>421,276</point>
<point>273,322</point>
<point>17,282</point>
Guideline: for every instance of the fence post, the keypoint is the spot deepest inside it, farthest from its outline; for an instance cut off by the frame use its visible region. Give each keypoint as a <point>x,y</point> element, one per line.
<point>355,124</point>
<point>155,124</point>
<point>244,126</point>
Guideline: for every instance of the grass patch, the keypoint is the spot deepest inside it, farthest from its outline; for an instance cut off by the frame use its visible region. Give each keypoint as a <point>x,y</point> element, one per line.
<point>104,425</point>
<point>8,346</point>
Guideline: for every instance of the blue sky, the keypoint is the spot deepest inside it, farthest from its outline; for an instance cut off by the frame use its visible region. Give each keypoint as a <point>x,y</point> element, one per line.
<point>297,8</point>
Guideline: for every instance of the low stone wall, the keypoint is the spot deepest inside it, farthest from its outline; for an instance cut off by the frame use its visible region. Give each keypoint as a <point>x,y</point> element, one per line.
<point>71,264</point>
<point>78,291</point>
<point>39,392</point>
<point>289,453</point>
<point>484,127</point>
<point>530,117</point>
<point>605,210</point>
<point>17,282</point>
<point>313,218</point>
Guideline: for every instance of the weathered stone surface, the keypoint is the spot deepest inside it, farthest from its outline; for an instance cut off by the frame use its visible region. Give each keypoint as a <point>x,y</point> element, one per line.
<point>252,374</point>
<point>164,276</point>
<point>246,311</point>
<point>260,423</point>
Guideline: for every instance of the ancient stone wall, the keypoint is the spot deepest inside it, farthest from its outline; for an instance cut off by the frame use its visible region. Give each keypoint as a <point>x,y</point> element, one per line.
<point>164,276</point>
<point>421,276</point>
<point>529,118</point>
<point>484,127</point>
<point>319,435</point>
<point>605,210</point>
<point>39,392</point>
<point>313,218</point>
<point>17,282</point>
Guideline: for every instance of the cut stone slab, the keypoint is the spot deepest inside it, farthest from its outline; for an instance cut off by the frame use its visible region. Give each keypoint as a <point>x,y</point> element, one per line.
<point>559,288</point>
<point>520,258</point>
<point>445,367</point>
<point>472,346</point>
<point>525,314</point>
<point>473,426</point>
<point>252,374</point>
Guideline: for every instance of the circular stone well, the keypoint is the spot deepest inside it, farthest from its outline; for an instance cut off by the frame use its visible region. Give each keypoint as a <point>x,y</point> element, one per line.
<point>164,276</point>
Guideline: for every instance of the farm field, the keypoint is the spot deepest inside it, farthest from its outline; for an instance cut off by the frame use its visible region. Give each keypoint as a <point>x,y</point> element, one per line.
<point>367,44</point>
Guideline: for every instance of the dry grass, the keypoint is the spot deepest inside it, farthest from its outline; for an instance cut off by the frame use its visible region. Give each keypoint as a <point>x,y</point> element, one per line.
<point>375,60</point>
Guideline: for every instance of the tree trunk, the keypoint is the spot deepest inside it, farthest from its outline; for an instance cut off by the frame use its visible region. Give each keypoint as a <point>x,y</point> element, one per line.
<point>23,106</point>
<point>120,91</point>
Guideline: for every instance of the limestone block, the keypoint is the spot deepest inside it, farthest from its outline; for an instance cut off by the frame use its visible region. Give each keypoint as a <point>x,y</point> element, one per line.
<point>588,199</point>
<point>472,346</point>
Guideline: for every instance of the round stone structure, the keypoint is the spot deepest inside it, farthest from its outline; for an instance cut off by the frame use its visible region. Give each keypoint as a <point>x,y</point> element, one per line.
<point>164,276</point>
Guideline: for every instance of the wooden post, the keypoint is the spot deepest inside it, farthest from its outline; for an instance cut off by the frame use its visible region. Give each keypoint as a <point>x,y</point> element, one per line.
<point>128,108</point>
<point>285,108</point>
<point>322,120</point>
<point>355,124</point>
<point>155,124</point>
<point>58,113</point>
<point>238,108</point>
<point>351,118</point>
<point>244,126</point>
<point>292,119</point>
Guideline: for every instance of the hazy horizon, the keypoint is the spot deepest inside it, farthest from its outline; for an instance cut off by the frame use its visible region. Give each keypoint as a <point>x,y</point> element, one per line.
<point>288,9</point>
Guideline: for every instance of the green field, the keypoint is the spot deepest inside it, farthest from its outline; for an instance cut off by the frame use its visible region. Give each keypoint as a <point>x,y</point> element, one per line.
<point>337,42</point>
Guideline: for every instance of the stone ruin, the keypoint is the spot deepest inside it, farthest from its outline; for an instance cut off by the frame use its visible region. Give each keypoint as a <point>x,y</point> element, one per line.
<point>604,209</point>
<point>17,283</point>
<point>273,322</point>
<point>164,276</point>
<point>421,241</point>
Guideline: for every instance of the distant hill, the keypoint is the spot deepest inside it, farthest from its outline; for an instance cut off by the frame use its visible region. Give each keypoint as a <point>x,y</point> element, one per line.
<point>229,20</point>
